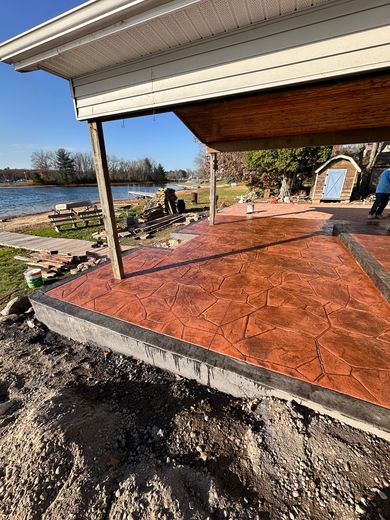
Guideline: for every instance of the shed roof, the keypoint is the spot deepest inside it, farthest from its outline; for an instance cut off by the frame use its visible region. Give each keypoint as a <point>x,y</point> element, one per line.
<point>337,158</point>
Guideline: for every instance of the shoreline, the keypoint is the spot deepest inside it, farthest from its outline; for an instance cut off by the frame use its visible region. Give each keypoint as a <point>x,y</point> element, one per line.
<point>93,185</point>
<point>132,199</point>
<point>8,218</point>
<point>29,220</point>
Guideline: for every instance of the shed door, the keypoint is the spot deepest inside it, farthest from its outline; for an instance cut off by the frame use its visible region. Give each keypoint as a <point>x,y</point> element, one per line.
<point>334,184</point>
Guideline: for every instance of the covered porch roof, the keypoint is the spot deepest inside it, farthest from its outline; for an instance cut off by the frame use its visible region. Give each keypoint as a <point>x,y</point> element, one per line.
<point>127,58</point>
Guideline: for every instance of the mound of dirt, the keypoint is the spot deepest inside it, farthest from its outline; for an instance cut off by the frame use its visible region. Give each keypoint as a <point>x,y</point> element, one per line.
<point>86,434</point>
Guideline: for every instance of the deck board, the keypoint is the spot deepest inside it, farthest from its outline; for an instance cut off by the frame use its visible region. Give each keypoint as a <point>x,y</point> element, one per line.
<point>35,243</point>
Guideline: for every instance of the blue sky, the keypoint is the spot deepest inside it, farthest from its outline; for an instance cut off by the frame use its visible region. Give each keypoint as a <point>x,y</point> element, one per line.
<point>36,109</point>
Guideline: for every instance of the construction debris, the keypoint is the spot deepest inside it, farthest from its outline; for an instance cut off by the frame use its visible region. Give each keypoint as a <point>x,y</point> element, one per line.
<point>160,213</point>
<point>17,305</point>
<point>150,214</point>
<point>164,198</point>
<point>151,227</point>
<point>53,264</point>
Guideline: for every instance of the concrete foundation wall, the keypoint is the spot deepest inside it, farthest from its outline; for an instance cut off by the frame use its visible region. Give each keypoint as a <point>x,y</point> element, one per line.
<point>209,368</point>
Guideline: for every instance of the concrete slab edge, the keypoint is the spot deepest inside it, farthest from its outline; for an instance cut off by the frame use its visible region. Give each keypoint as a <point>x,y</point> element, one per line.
<point>377,273</point>
<point>215,370</point>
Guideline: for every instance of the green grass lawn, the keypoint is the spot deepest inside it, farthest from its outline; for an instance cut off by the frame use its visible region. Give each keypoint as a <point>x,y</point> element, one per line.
<point>12,282</point>
<point>81,233</point>
<point>227,195</point>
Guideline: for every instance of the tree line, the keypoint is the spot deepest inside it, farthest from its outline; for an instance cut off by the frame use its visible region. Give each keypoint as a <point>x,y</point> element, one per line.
<point>64,167</point>
<point>288,170</point>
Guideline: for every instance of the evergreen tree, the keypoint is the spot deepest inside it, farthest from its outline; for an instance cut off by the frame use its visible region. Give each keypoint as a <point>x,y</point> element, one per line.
<point>159,173</point>
<point>65,166</point>
<point>286,165</point>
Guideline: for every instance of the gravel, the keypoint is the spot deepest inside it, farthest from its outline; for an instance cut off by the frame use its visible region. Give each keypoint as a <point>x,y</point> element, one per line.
<point>94,435</point>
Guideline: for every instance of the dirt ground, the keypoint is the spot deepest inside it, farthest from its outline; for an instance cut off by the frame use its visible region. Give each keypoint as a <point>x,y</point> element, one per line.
<point>91,435</point>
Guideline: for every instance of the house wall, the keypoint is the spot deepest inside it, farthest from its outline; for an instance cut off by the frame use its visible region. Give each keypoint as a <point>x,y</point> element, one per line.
<point>292,50</point>
<point>349,182</point>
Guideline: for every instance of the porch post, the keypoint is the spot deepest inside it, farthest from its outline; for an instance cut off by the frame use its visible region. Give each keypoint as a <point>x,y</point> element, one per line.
<point>105,194</point>
<point>213,186</point>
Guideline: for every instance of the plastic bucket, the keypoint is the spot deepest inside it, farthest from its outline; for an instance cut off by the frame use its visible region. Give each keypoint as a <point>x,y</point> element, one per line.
<point>33,278</point>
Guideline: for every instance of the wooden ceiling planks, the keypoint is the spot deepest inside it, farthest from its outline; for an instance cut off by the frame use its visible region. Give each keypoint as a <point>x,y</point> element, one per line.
<point>343,111</point>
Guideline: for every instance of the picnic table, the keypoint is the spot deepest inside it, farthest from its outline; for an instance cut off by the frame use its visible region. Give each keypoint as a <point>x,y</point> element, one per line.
<point>75,213</point>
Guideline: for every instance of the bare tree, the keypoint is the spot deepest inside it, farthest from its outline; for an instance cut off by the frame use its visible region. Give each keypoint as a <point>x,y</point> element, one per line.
<point>370,155</point>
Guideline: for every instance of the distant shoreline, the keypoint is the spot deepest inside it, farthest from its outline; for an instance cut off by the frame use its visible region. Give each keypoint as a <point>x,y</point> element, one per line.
<point>81,185</point>
<point>44,213</point>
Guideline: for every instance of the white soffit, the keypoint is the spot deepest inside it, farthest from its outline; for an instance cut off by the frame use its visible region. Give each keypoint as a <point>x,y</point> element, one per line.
<point>167,25</point>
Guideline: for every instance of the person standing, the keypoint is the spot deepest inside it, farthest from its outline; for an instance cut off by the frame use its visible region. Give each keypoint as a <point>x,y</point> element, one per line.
<point>382,195</point>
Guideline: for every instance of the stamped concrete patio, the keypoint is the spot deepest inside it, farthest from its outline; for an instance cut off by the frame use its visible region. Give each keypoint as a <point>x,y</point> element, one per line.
<point>281,294</point>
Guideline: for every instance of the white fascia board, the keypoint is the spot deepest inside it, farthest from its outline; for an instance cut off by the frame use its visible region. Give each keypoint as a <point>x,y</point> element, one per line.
<point>145,17</point>
<point>80,21</point>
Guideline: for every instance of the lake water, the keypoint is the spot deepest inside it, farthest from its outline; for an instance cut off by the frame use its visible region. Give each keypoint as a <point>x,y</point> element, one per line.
<point>22,201</point>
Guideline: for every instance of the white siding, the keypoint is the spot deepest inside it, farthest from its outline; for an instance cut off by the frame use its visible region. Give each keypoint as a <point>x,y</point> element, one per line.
<point>329,42</point>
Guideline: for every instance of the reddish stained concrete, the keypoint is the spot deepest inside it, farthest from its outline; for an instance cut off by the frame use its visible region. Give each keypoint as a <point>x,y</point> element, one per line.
<point>325,211</point>
<point>376,240</point>
<point>282,294</point>
<point>373,235</point>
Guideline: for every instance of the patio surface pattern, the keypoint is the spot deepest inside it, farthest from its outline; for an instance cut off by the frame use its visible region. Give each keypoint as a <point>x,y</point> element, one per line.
<point>376,241</point>
<point>280,293</point>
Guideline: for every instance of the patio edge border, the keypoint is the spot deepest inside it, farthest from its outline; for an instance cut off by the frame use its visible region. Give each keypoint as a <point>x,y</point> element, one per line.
<point>374,270</point>
<point>210,368</point>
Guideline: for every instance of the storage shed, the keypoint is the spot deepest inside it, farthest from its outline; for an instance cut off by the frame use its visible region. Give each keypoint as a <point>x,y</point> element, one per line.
<point>335,179</point>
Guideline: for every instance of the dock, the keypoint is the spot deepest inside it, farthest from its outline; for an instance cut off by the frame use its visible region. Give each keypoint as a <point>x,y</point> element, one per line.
<point>142,194</point>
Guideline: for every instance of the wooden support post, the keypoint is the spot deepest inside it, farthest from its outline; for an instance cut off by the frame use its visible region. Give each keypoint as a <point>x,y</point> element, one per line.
<point>104,185</point>
<point>213,186</point>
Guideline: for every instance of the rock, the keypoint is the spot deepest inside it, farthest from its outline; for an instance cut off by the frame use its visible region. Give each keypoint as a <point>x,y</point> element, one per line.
<point>17,305</point>
<point>11,318</point>
<point>31,324</point>
<point>4,407</point>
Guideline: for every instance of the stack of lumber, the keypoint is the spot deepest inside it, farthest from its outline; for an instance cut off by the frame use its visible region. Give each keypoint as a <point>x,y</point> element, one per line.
<point>54,264</point>
<point>152,213</point>
<point>146,229</point>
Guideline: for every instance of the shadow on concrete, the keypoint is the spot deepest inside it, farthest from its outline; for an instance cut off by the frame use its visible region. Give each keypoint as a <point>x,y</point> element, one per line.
<point>217,256</point>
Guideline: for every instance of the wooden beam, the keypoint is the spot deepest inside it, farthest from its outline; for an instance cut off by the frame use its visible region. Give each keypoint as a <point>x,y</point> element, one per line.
<point>368,135</point>
<point>104,185</point>
<point>346,110</point>
<point>213,186</point>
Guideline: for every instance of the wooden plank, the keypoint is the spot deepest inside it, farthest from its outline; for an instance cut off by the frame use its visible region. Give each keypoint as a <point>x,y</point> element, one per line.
<point>34,243</point>
<point>348,110</point>
<point>107,204</point>
<point>213,186</point>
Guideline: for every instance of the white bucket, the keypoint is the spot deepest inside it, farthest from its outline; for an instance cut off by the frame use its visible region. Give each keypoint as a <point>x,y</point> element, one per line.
<point>33,278</point>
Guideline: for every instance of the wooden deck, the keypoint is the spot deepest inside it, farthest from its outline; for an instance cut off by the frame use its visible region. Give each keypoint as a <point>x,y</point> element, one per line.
<point>62,245</point>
